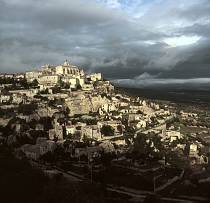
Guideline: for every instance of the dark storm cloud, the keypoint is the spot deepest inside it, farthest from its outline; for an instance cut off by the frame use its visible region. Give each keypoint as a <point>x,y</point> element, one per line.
<point>197,29</point>
<point>109,40</point>
<point>31,31</point>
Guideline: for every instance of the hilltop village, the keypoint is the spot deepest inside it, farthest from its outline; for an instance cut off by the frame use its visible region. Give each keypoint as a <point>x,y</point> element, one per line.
<point>78,122</point>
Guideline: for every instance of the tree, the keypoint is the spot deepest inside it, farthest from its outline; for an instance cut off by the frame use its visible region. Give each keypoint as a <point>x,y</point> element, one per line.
<point>46,91</point>
<point>64,85</point>
<point>68,136</point>
<point>91,121</point>
<point>140,148</point>
<point>103,94</point>
<point>34,83</point>
<point>156,139</point>
<point>24,83</point>
<point>147,146</point>
<point>27,109</point>
<point>51,103</point>
<point>107,130</point>
<point>56,90</point>
<point>47,122</point>
<point>87,140</point>
<point>67,111</point>
<point>129,132</point>
<point>120,129</point>
<point>67,86</point>
<point>79,87</point>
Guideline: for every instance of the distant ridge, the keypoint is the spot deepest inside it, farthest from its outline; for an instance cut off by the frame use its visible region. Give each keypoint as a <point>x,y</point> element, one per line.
<point>173,95</point>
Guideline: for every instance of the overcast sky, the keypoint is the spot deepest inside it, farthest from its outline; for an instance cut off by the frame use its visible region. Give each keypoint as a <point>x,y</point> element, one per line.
<point>133,42</point>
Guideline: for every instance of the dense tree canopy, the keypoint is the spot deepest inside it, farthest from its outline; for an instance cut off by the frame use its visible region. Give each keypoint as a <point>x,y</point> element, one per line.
<point>107,130</point>
<point>27,109</point>
<point>148,145</point>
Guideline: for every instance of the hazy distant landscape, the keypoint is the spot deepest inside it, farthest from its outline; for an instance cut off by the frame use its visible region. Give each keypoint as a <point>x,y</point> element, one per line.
<point>104,101</point>
<point>173,95</point>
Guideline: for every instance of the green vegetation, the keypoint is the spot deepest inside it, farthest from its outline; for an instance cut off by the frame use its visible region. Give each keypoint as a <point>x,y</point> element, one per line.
<point>7,112</point>
<point>7,80</point>
<point>18,83</point>
<point>34,83</point>
<point>147,146</point>
<point>105,95</point>
<point>20,182</point>
<point>27,109</point>
<point>46,91</point>
<point>107,130</point>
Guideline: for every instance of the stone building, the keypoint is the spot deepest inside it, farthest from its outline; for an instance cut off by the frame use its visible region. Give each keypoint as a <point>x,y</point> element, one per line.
<point>49,80</point>
<point>91,131</point>
<point>68,69</point>
<point>32,75</point>
<point>94,77</point>
<point>78,105</point>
